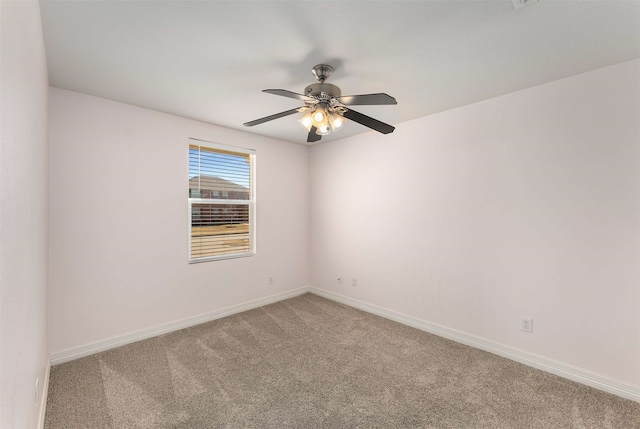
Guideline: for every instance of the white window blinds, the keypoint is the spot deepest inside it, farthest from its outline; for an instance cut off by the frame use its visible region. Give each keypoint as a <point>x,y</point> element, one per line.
<point>221,201</point>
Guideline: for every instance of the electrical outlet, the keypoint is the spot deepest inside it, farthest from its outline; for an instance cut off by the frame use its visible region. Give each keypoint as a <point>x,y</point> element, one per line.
<point>526,324</point>
<point>37,391</point>
<point>354,281</point>
<point>339,279</point>
<point>271,280</point>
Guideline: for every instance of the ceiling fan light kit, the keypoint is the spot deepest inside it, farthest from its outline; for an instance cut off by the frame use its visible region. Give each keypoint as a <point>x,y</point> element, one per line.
<point>326,109</point>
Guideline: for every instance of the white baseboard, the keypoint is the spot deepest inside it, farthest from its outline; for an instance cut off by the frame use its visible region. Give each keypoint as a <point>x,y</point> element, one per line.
<point>43,396</point>
<point>100,346</point>
<point>532,360</point>
<point>526,358</point>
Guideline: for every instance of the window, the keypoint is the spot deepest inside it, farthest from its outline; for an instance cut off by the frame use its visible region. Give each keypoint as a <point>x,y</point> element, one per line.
<point>221,201</point>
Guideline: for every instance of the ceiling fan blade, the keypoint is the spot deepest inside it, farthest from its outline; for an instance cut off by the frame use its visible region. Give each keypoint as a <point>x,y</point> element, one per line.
<point>367,121</point>
<point>313,137</point>
<point>367,99</point>
<point>285,93</point>
<point>272,117</point>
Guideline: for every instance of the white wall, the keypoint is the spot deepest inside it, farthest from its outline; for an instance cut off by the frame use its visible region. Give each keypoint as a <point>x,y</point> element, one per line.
<point>119,224</point>
<point>523,205</point>
<point>23,214</point>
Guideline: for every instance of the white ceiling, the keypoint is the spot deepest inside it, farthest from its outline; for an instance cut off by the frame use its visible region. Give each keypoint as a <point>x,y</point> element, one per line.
<point>209,60</point>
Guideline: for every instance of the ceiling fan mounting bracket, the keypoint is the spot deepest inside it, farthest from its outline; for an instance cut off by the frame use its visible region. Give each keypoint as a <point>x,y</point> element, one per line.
<point>322,72</point>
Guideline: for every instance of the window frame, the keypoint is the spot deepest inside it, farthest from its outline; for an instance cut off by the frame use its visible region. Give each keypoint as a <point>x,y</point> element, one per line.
<point>250,203</point>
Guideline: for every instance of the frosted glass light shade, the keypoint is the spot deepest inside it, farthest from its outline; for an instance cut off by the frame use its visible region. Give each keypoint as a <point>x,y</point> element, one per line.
<point>306,122</point>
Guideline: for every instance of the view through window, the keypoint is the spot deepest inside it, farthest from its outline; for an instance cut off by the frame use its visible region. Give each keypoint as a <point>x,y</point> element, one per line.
<point>221,201</point>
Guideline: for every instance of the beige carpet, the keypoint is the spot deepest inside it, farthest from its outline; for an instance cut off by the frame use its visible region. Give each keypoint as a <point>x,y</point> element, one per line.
<point>311,363</point>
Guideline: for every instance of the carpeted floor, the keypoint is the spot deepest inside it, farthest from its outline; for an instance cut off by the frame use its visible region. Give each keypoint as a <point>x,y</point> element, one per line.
<point>308,362</point>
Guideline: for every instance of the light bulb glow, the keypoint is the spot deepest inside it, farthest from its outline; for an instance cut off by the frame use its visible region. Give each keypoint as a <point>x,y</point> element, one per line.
<point>336,122</point>
<point>305,121</point>
<point>322,119</point>
<point>323,130</point>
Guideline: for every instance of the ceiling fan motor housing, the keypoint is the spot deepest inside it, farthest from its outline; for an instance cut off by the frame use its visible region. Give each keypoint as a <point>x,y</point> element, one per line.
<point>322,90</point>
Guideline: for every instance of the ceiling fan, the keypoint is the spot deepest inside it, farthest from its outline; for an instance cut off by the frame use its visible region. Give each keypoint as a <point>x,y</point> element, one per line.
<point>326,107</point>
